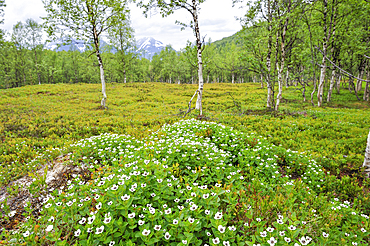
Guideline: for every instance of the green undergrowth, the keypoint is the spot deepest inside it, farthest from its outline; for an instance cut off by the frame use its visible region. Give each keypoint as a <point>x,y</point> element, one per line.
<point>191,183</point>
<point>38,121</point>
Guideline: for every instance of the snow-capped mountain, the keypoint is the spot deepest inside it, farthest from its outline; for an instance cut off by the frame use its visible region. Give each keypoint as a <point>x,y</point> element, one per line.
<point>145,47</point>
<point>65,45</point>
<point>148,46</point>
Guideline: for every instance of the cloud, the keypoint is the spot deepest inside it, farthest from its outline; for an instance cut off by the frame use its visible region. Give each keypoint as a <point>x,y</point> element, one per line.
<point>216,21</point>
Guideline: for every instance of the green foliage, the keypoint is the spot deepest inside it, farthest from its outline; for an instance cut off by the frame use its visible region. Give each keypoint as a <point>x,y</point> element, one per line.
<point>191,183</point>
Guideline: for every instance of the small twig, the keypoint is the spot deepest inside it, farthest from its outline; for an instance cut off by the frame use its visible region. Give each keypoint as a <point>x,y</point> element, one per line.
<point>190,109</point>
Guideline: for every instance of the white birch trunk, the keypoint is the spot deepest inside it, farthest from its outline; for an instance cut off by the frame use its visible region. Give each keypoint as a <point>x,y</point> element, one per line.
<point>268,58</point>
<point>367,89</point>
<point>359,82</point>
<point>287,78</point>
<point>367,157</point>
<point>338,83</point>
<point>332,81</point>
<point>320,88</point>
<point>280,82</point>
<point>104,99</point>
<point>261,81</point>
<point>199,56</point>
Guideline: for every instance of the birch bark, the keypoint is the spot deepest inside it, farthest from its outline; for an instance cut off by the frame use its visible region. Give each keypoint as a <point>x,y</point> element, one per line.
<point>268,58</point>
<point>367,89</point>
<point>199,56</point>
<point>320,88</point>
<point>332,81</point>
<point>367,157</point>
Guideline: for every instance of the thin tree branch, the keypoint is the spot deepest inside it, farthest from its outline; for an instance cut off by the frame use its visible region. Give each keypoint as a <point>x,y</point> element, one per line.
<point>342,70</point>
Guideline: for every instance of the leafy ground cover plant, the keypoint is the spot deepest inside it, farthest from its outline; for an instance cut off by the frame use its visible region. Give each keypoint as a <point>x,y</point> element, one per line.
<point>191,183</point>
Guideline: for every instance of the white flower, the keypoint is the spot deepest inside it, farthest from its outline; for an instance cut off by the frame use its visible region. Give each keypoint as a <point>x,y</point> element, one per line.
<point>270,229</point>
<point>282,233</point>
<point>146,232</point>
<point>292,227</point>
<point>90,220</point>
<point>258,219</point>
<point>175,222</point>
<point>226,243</point>
<point>193,207</point>
<point>287,239</point>
<point>26,234</point>
<point>184,241</point>
<point>191,220</point>
<point>167,236</point>
<point>325,234</point>
<point>304,240</point>
<point>112,243</point>
<point>12,213</point>
<point>205,196</point>
<point>107,220</point>
<point>216,240</point>
<point>157,227</point>
<point>272,241</point>
<point>232,228</point>
<point>221,228</point>
<point>218,215</point>
<point>82,221</point>
<point>279,221</point>
<point>354,243</point>
<point>363,230</point>
<point>131,216</point>
<point>141,222</point>
<point>49,228</point>
<point>98,206</point>
<point>125,197</point>
<point>99,230</point>
<point>77,233</point>
<point>168,211</point>
<point>263,233</point>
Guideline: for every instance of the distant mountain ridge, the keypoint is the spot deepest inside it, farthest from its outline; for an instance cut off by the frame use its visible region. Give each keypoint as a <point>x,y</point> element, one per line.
<point>146,47</point>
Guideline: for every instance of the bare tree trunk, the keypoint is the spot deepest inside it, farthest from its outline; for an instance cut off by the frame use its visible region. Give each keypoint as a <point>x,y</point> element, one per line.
<point>37,68</point>
<point>100,61</point>
<point>360,75</point>
<point>332,80</point>
<point>199,55</point>
<point>287,78</point>
<point>268,58</point>
<point>261,81</point>
<point>367,89</point>
<point>338,83</point>
<point>232,78</point>
<point>367,157</point>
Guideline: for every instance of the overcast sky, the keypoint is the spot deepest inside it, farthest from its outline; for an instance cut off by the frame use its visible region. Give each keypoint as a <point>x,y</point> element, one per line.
<point>217,20</point>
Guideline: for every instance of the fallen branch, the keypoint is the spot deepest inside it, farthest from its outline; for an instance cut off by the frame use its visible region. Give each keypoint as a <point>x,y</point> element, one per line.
<point>190,109</point>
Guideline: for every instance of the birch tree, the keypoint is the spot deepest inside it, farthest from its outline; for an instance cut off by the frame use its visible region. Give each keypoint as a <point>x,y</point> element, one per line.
<point>122,38</point>
<point>367,157</point>
<point>34,41</point>
<point>168,7</point>
<point>87,20</point>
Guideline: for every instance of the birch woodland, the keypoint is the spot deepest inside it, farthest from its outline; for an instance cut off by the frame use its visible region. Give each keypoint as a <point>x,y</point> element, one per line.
<point>86,20</point>
<point>192,7</point>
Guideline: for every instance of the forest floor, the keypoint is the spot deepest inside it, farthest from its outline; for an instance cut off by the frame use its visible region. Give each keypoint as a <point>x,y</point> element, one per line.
<point>38,124</point>
<point>37,119</point>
